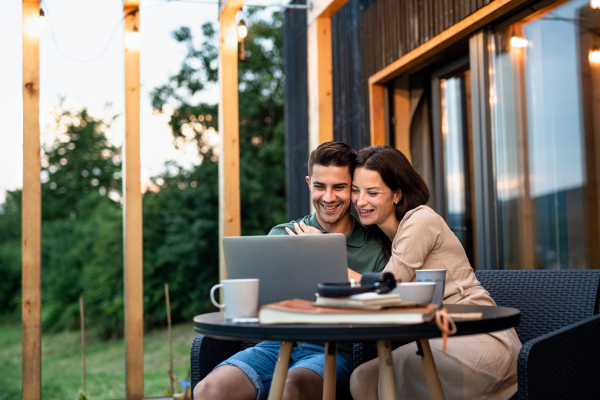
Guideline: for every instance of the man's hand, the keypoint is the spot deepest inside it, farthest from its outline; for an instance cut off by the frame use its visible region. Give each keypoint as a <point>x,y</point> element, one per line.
<point>303,229</point>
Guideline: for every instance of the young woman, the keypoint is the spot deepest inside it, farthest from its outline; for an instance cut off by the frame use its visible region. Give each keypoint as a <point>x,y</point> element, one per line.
<point>387,192</point>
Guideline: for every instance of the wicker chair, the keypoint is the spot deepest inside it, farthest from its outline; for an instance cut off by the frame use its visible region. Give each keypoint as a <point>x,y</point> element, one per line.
<point>560,332</point>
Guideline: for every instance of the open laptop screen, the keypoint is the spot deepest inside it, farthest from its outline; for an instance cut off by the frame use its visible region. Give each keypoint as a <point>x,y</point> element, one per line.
<point>289,267</point>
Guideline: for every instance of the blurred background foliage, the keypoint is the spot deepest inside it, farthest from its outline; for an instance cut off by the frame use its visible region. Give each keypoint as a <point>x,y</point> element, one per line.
<point>82,238</point>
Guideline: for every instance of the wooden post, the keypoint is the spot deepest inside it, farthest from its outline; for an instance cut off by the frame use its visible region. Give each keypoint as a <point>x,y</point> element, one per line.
<point>402,115</point>
<point>320,77</point>
<point>281,370</point>
<point>377,111</point>
<point>320,85</point>
<point>82,343</point>
<point>229,146</point>
<point>330,371</point>
<point>31,206</point>
<point>386,370</point>
<point>170,339</point>
<point>132,210</point>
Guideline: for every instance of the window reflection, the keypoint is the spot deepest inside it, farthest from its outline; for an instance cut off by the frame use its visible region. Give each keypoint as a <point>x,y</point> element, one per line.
<point>454,105</point>
<point>543,113</point>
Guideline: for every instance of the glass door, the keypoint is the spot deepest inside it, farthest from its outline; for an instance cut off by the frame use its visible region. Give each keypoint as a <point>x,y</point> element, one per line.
<point>452,134</point>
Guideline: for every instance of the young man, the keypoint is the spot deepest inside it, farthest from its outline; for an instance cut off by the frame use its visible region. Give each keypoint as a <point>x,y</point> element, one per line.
<point>247,375</point>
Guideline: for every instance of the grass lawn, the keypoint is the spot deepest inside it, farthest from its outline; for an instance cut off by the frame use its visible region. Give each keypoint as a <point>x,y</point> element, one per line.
<point>105,363</point>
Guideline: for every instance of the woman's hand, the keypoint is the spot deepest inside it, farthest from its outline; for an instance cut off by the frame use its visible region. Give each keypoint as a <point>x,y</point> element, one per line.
<point>303,229</point>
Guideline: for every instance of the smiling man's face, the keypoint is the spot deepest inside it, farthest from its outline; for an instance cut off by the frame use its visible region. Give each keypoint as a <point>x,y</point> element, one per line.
<point>330,189</point>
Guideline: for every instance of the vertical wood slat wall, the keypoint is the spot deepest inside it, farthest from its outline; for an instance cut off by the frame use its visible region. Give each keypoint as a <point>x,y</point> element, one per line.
<point>31,207</point>
<point>367,35</point>
<point>132,215</point>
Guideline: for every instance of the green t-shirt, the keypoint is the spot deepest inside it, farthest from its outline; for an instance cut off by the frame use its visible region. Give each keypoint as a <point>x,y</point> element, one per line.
<point>365,254</point>
<point>364,248</point>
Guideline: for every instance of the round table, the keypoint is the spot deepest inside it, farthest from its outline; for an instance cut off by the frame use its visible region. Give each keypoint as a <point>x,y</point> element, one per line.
<point>492,319</point>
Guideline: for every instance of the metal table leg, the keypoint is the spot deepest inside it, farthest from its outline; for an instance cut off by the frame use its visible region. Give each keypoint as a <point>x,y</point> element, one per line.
<point>281,370</point>
<point>431,374</point>
<point>386,370</point>
<point>330,371</point>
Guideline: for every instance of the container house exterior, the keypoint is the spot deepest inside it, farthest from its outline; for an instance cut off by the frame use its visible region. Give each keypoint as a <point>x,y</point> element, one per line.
<point>498,110</point>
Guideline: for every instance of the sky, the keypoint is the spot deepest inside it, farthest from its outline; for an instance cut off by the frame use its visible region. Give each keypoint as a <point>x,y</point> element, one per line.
<point>80,30</point>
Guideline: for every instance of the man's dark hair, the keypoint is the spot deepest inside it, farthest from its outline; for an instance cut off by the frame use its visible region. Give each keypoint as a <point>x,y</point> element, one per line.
<point>335,154</point>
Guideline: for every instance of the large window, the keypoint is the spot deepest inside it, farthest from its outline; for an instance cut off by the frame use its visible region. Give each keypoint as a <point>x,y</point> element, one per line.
<point>545,113</point>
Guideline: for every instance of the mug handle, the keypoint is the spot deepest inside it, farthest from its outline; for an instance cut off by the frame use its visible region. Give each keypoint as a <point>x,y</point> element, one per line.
<point>212,295</point>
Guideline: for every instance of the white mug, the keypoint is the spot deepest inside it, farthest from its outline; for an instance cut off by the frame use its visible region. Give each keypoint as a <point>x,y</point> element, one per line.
<point>240,298</point>
<point>434,275</point>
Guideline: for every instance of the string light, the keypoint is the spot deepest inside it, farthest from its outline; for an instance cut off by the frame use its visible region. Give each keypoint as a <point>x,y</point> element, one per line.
<point>595,4</point>
<point>519,42</point>
<point>42,19</point>
<point>594,56</point>
<point>132,39</point>
<point>32,26</point>
<point>242,29</point>
<point>242,32</point>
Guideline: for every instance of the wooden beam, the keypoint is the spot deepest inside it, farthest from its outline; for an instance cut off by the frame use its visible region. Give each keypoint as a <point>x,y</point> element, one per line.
<point>320,85</point>
<point>229,146</point>
<point>324,9</point>
<point>231,6</point>
<point>448,37</point>
<point>402,116</point>
<point>31,206</point>
<point>132,213</point>
<point>377,114</point>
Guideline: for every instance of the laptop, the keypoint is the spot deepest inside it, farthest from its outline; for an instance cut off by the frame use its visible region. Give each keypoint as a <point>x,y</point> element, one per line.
<point>288,267</point>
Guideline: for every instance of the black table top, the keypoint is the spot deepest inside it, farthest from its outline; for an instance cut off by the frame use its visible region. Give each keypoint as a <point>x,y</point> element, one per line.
<point>494,319</point>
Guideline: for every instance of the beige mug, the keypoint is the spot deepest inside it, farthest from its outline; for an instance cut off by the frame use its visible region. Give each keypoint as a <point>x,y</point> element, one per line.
<point>240,298</point>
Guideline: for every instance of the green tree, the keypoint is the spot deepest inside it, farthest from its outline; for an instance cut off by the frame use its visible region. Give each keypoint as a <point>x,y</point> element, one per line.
<point>80,160</point>
<point>181,219</point>
<point>261,100</point>
<point>81,226</point>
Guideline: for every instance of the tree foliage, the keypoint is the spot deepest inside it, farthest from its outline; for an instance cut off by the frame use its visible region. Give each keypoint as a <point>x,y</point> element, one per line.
<point>82,228</point>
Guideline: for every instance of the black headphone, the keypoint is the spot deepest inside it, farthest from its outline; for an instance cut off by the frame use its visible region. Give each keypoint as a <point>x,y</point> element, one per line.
<point>379,282</point>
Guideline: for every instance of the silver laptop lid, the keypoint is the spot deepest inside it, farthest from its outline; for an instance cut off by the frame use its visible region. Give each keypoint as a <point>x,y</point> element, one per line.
<point>289,267</point>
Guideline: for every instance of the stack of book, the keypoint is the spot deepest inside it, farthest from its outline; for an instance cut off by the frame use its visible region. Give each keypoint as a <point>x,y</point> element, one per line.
<point>352,310</point>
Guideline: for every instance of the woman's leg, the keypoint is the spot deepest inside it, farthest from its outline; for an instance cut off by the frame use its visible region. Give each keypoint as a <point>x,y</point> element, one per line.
<point>363,382</point>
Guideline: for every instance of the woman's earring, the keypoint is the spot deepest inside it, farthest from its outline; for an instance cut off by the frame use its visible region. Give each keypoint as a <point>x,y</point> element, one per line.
<point>396,203</point>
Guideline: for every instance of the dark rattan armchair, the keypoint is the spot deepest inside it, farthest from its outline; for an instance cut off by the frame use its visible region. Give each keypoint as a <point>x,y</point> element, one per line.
<point>559,330</point>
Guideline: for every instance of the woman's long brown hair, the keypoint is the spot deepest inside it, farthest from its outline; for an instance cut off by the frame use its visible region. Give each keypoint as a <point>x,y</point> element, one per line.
<point>397,173</point>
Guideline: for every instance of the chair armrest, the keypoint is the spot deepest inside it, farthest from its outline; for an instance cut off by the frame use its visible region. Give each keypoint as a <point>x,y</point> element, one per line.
<point>206,354</point>
<point>562,364</point>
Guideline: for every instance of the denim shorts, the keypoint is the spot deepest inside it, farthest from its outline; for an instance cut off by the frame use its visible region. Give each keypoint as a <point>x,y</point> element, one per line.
<point>258,363</point>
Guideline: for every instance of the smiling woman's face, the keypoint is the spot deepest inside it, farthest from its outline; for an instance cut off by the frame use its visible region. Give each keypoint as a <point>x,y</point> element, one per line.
<point>373,199</point>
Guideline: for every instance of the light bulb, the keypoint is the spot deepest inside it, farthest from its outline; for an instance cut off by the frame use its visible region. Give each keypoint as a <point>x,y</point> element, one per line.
<point>132,39</point>
<point>42,19</point>
<point>594,56</point>
<point>595,4</point>
<point>516,41</point>
<point>242,30</point>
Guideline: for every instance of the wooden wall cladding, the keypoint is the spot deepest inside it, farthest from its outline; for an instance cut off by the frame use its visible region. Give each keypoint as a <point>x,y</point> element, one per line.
<point>296,112</point>
<point>392,28</point>
<point>367,35</point>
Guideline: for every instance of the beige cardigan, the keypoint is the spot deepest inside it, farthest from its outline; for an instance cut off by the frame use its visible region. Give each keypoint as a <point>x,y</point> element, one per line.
<point>476,366</point>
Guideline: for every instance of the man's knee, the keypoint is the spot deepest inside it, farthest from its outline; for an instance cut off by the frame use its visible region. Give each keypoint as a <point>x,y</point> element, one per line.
<point>302,383</point>
<point>205,390</point>
<point>226,382</point>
